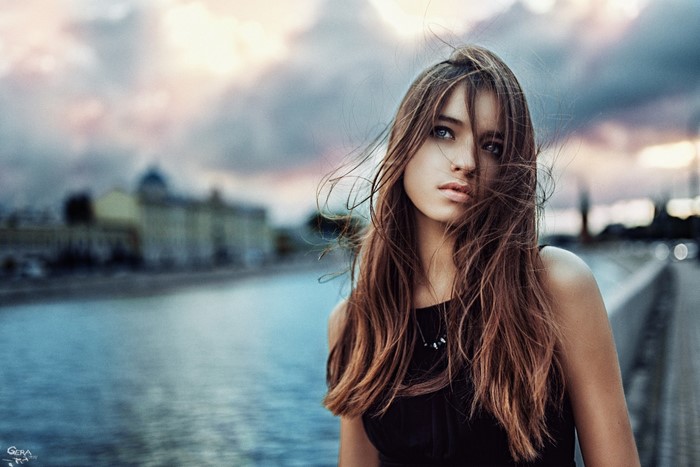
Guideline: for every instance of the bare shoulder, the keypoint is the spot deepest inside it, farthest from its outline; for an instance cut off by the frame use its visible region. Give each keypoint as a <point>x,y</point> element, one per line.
<point>336,322</point>
<point>589,361</point>
<point>563,267</point>
<point>575,294</point>
<point>568,278</point>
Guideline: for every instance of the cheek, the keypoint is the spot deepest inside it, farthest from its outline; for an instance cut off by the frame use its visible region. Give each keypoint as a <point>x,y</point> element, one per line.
<point>419,163</point>
<point>412,178</point>
<point>407,178</point>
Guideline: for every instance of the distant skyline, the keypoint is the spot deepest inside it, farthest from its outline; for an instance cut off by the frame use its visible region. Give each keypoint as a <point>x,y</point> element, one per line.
<point>260,99</point>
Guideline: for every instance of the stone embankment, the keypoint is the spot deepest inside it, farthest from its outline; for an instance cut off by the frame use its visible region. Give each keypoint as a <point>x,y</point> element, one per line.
<point>655,317</point>
<point>134,283</point>
<point>630,307</point>
<point>637,306</point>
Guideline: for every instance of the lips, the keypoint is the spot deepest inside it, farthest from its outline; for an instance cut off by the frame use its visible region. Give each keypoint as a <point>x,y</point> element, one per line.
<point>454,191</point>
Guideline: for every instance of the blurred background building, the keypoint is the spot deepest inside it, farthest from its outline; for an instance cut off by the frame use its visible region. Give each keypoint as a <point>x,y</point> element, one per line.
<point>150,227</point>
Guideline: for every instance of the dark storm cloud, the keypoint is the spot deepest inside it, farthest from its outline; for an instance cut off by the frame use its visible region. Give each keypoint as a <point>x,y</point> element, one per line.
<point>39,161</point>
<point>345,75</point>
<point>657,58</point>
<point>339,85</point>
<point>120,45</point>
<point>38,166</point>
<point>338,88</point>
<point>573,71</point>
<point>51,181</point>
<point>35,172</point>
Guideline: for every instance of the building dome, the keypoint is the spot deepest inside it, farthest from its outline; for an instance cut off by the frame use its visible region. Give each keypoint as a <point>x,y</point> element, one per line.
<point>153,185</point>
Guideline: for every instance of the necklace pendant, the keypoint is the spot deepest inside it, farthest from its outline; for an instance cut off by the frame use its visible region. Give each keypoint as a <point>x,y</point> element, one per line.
<point>437,344</point>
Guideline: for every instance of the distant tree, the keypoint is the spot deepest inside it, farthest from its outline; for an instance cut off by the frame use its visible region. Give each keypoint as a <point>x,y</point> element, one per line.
<point>285,244</point>
<point>9,266</point>
<point>77,209</point>
<point>325,226</point>
<point>333,225</point>
<point>344,228</point>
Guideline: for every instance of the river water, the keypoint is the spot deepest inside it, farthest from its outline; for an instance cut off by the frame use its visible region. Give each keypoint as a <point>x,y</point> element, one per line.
<point>228,374</point>
<point>215,375</point>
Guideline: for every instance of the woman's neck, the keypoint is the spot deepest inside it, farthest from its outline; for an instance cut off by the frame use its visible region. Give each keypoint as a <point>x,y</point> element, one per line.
<point>435,250</point>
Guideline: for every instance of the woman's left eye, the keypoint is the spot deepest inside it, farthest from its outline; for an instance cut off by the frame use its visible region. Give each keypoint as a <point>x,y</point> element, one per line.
<point>494,148</point>
<point>442,132</point>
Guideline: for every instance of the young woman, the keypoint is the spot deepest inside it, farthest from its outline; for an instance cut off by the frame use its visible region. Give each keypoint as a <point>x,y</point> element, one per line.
<point>462,342</point>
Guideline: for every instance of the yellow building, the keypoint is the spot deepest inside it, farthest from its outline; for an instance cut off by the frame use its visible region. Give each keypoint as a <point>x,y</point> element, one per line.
<point>151,225</point>
<point>177,231</point>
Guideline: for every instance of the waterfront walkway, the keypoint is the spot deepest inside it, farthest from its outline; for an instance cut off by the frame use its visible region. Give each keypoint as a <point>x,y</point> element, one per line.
<point>679,408</point>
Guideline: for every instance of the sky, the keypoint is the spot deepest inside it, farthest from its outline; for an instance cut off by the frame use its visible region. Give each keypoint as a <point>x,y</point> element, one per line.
<point>261,99</point>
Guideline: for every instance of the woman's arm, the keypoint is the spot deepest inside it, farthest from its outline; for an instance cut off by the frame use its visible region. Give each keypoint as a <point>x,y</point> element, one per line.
<point>591,368</point>
<point>355,448</point>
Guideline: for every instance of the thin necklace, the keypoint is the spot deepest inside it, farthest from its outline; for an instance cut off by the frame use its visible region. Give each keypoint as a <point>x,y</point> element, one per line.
<point>440,339</point>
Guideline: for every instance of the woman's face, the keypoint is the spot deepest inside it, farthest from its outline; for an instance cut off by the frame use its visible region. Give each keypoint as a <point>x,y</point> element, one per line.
<point>440,179</point>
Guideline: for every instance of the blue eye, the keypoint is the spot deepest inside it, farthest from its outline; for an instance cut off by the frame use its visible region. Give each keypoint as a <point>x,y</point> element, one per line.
<point>494,148</point>
<point>442,132</point>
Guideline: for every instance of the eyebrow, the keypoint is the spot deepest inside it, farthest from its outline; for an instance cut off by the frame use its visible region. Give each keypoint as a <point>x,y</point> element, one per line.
<point>447,118</point>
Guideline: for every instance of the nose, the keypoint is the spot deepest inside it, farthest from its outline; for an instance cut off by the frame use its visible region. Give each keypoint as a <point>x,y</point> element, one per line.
<point>464,161</point>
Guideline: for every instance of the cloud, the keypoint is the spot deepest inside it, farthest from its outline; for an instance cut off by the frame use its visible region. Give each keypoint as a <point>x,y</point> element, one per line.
<point>332,90</point>
<point>106,93</point>
<point>596,67</point>
<point>119,45</point>
<point>657,59</point>
<point>346,74</point>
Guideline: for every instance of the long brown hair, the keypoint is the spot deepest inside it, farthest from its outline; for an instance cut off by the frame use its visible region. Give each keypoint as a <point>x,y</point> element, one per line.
<point>501,329</point>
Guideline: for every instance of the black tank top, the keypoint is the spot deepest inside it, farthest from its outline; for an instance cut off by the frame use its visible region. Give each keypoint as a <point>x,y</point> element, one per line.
<point>435,429</point>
